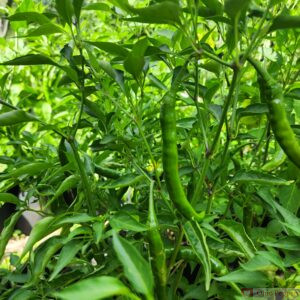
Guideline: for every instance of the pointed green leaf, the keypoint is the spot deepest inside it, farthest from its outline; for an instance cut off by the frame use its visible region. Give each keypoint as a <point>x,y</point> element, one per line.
<point>237,233</point>
<point>29,17</point>
<point>197,240</point>
<point>272,257</point>
<point>124,181</point>
<point>45,29</point>
<point>67,184</point>
<point>258,178</point>
<point>97,6</point>
<point>28,170</point>
<point>42,256</point>
<point>3,80</point>
<point>22,294</point>
<point>94,288</point>
<point>39,59</point>
<point>285,22</point>
<point>65,10</point>
<point>123,4</point>
<point>77,5</point>
<point>15,117</point>
<point>136,268</point>
<point>166,12</point>
<point>30,59</point>
<point>111,48</point>
<point>76,218</point>
<point>253,279</point>
<point>252,110</point>
<point>93,109</point>
<point>233,8</point>
<point>100,65</point>
<point>134,62</point>
<point>41,229</point>
<point>98,231</point>
<point>286,243</point>
<point>123,221</point>
<point>10,198</point>
<point>66,255</point>
<point>258,263</point>
<point>9,226</point>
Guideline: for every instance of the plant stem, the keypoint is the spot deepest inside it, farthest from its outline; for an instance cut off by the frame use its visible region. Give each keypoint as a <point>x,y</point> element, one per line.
<point>82,93</point>
<point>267,144</point>
<point>199,112</point>
<point>85,180</point>
<point>177,279</point>
<point>199,187</point>
<point>253,42</point>
<point>234,106</point>
<point>153,165</point>
<point>224,112</point>
<point>176,249</point>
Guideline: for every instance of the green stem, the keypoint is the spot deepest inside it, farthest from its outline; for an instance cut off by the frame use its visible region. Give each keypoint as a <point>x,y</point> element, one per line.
<point>199,112</point>
<point>85,180</point>
<point>153,165</point>
<point>176,249</point>
<point>224,112</point>
<point>267,144</point>
<point>234,106</point>
<point>203,52</point>
<point>258,147</point>
<point>215,58</point>
<point>254,39</point>
<point>290,64</point>
<point>236,37</point>
<point>178,279</point>
<point>230,201</point>
<point>82,93</point>
<point>199,187</point>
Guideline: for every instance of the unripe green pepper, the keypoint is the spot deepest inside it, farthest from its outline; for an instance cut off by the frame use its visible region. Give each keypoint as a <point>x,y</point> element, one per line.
<point>271,93</point>
<point>170,158</point>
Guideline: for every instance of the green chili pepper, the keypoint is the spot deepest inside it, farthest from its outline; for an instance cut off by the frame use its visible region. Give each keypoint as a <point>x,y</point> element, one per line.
<point>8,230</point>
<point>285,22</point>
<point>107,172</point>
<point>170,158</point>
<point>279,159</point>
<point>217,266</point>
<point>157,250</point>
<point>187,254</point>
<point>271,93</point>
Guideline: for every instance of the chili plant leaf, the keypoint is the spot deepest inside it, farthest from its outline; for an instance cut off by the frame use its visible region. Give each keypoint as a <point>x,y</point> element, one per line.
<point>15,117</point>
<point>136,268</point>
<point>95,288</point>
<point>197,240</point>
<point>238,234</point>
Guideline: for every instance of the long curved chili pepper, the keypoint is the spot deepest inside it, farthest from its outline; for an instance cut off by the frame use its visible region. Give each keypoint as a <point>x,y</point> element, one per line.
<point>271,93</point>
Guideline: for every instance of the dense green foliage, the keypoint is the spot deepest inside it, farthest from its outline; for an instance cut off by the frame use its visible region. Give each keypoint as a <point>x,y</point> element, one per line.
<point>163,162</point>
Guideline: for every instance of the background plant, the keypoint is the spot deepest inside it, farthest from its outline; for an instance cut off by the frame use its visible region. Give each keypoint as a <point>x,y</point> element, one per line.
<point>82,86</point>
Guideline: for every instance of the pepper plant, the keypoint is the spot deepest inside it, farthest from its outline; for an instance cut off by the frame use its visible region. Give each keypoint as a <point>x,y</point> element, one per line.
<point>159,139</point>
